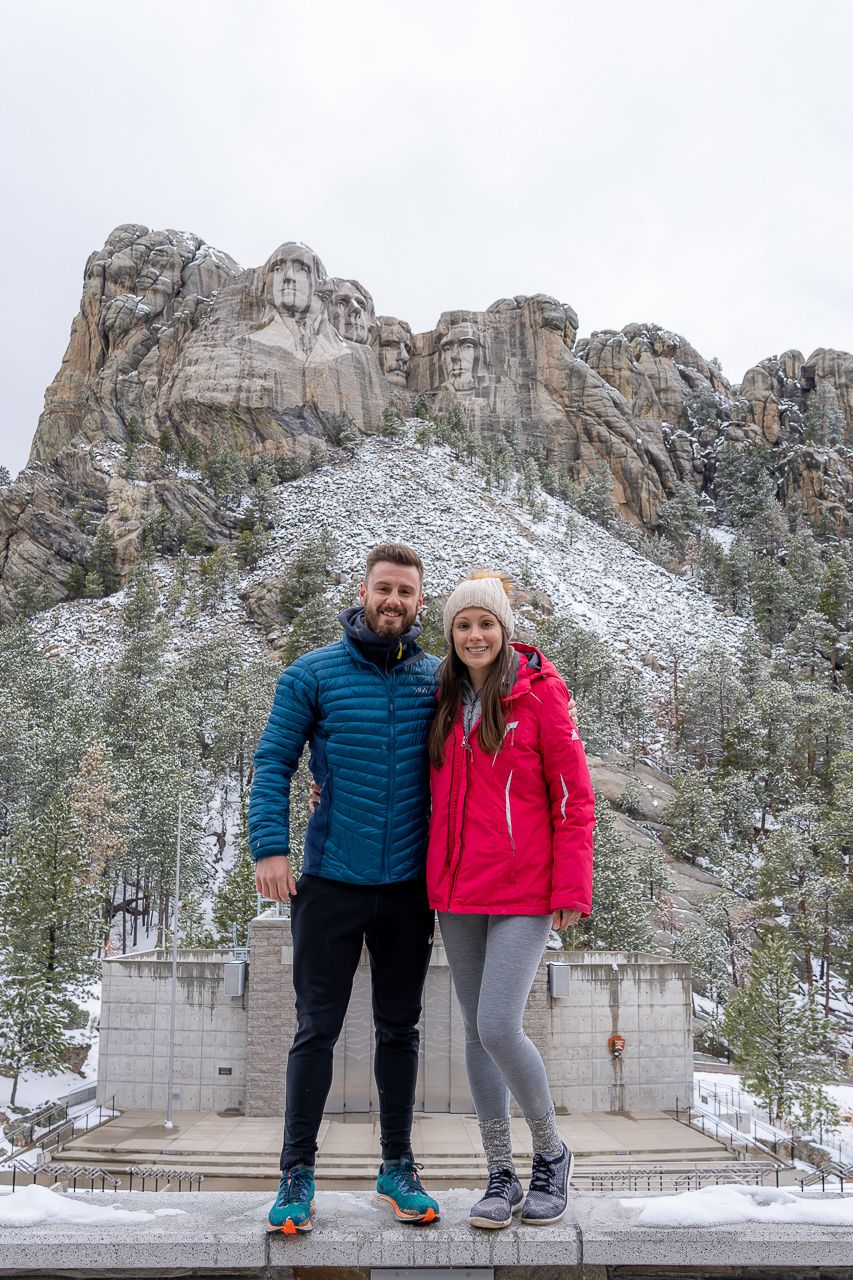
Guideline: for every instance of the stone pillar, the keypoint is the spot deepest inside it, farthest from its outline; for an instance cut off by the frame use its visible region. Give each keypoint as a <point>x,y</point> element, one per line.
<point>271,1014</point>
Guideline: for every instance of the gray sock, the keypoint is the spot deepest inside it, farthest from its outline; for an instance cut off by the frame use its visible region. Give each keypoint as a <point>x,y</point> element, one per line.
<point>546,1139</point>
<point>497,1143</point>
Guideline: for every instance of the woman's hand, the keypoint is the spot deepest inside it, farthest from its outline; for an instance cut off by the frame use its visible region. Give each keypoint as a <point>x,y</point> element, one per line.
<point>572,707</point>
<point>565,919</point>
<point>314,796</point>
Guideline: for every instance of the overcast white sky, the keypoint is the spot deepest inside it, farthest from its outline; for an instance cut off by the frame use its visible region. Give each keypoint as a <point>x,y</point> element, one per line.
<point>683,163</point>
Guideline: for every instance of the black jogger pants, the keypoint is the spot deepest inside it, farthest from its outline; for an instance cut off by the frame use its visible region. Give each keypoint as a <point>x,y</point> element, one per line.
<point>330,922</point>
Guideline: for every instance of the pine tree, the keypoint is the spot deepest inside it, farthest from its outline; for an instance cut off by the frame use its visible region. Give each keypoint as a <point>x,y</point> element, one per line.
<point>704,948</point>
<point>768,530</point>
<point>32,1021</point>
<point>306,574</point>
<point>424,433</point>
<point>735,577</point>
<point>97,810</point>
<point>835,600</point>
<point>315,625</point>
<point>421,407</point>
<point>195,539</point>
<point>743,482</point>
<point>681,517</point>
<point>392,421</point>
<point>50,923</point>
<point>75,583</point>
<point>594,498</point>
<point>217,574</point>
<point>694,819</point>
<point>93,587</point>
<point>166,442</point>
<point>775,1035</point>
<point>774,599</point>
<point>823,421</point>
<point>351,439</point>
<point>709,700</point>
<point>236,900</point>
<point>5,477</point>
<point>102,561</point>
<point>619,919</point>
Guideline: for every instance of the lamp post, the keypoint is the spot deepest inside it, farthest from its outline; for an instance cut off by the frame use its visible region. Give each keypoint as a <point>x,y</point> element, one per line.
<point>168,1123</point>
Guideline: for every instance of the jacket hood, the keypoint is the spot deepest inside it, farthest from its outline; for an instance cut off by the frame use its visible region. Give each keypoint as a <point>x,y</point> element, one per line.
<point>532,666</point>
<point>353,623</point>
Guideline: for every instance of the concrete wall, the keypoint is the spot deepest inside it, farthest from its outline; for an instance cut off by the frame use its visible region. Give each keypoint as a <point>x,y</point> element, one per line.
<point>645,998</point>
<point>210,1034</point>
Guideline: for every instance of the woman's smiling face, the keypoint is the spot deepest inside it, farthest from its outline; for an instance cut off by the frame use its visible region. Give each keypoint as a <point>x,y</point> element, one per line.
<point>477,638</point>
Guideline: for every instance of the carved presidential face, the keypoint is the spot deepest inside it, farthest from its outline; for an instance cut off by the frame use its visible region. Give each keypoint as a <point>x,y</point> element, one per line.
<point>351,311</point>
<point>395,349</point>
<point>292,276</point>
<point>463,357</point>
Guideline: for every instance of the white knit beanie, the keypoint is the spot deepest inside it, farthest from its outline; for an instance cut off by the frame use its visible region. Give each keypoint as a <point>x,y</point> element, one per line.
<point>487,592</point>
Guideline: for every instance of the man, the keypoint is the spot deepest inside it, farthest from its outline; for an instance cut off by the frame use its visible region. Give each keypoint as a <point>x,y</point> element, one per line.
<point>365,705</point>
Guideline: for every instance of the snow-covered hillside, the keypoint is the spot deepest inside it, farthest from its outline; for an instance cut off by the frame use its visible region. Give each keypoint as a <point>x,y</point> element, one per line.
<point>401,491</point>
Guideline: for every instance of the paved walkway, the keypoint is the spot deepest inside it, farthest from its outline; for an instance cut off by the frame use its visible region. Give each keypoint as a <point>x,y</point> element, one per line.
<point>242,1151</point>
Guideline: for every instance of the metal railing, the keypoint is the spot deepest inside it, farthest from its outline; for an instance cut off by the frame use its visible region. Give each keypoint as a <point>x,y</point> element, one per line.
<point>659,1178</point>
<point>726,1134</point>
<point>72,1174</point>
<point>166,1176</point>
<point>51,1126</point>
<point>718,1097</point>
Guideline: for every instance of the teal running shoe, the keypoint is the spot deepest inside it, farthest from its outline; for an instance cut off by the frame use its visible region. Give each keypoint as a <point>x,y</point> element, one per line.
<point>398,1184</point>
<point>294,1204</point>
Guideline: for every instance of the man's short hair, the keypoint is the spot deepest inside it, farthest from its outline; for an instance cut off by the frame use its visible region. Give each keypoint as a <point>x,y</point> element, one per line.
<point>393,553</point>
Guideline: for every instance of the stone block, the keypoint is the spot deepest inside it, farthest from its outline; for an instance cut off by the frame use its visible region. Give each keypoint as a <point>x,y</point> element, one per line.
<point>217,1232</point>
<point>612,1238</point>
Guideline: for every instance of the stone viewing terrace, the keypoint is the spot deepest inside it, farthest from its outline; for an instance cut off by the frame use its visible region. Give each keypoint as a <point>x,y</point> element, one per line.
<point>599,1239</point>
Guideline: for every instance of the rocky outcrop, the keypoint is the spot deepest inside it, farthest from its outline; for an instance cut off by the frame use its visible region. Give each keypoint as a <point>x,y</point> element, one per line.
<point>143,288</point>
<point>50,515</point>
<point>174,340</point>
<point>514,362</point>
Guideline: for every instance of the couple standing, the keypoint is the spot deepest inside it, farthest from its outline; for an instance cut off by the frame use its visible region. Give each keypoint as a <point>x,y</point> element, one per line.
<point>509,853</point>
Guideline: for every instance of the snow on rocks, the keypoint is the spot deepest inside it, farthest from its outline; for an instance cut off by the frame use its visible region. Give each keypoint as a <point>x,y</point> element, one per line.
<point>398,490</point>
<point>725,1205</point>
<point>31,1206</point>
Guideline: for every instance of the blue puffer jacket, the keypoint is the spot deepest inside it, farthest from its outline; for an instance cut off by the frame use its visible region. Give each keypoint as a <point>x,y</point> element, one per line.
<point>368,738</point>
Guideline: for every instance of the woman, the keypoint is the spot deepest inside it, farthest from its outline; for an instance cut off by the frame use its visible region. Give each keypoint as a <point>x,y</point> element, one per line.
<point>510,854</point>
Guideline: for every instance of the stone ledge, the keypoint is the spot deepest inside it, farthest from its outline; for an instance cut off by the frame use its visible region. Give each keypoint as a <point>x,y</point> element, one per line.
<point>223,1233</point>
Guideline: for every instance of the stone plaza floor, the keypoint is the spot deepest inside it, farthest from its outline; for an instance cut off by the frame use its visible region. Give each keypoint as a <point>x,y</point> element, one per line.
<point>239,1152</point>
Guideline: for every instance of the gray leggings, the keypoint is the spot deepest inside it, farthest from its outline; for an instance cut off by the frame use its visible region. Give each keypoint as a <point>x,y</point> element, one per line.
<point>493,961</point>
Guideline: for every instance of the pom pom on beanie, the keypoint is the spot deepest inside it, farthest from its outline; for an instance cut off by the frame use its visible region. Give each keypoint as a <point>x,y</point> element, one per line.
<point>481,591</point>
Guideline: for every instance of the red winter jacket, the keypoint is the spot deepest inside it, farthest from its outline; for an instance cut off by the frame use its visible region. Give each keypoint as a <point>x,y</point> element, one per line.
<point>511,834</point>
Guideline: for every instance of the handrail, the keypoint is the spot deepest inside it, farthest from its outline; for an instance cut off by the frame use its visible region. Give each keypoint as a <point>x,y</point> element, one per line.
<point>747,1105</point>
<point>746,1142</point>
<point>52,1134</point>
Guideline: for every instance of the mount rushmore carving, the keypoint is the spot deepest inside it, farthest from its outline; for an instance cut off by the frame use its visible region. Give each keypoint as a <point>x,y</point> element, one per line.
<point>172,334</point>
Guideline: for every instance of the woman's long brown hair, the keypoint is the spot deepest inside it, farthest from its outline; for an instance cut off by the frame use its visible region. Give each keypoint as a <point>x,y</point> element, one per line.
<point>452,676</point>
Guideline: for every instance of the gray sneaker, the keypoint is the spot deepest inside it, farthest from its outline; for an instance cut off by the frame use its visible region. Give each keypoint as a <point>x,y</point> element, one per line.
<point>503,1197</point>
<point>548,1196</point>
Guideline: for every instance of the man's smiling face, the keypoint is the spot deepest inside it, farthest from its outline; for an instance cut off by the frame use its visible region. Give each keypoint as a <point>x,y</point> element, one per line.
<point>392,597</point>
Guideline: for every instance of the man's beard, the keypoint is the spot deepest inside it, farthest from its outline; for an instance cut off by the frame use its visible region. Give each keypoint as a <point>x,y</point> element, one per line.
<point>388,624</point>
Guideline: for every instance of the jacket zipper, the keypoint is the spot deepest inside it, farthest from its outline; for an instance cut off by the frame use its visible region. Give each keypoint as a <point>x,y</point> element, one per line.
<point>392,776</point>
<point>468,749</point>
